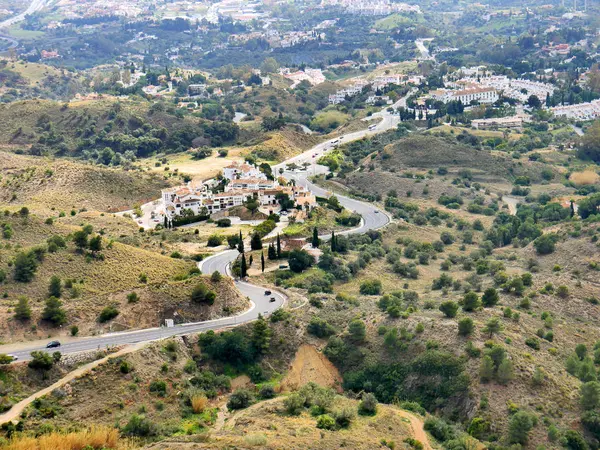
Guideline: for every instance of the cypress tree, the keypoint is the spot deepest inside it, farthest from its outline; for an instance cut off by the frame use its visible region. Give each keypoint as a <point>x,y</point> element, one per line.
<point>315,238</point>
<point>256,242</point>
<point>244,267</point>
<point>262,262</point>
<point>278,246</point>
<point>272,253</point>
<point>333,246</point>
<point>250,261</point>
<point>241,243</point>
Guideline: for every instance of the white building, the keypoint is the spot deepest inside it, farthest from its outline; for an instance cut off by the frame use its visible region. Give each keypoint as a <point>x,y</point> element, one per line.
<point>466,96</point>
<point>499,122</point>
<point>481,95</point>
<point>580,111</point>
<point>237,170</point>
<point>253,184</point>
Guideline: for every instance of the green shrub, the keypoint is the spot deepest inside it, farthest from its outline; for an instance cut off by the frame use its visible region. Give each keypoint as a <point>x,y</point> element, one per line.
<point>449,308</point>
<point>108,313</point>
<point>214,241</point>
<point>139,426</point>
<point>158,387</point>
<point>370,287</point>
<point>201,294</point>
<point>294,404</point>
<point>326,422</point>
<point>465,326</point>
<point>240,399</point>
<point>320,327</point>
<point>343,417</point>
<point>368,405</point>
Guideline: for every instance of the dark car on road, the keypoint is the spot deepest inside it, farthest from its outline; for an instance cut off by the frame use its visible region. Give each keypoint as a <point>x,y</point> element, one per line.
<point>267,292</point>
<point>272,300</point>
<point>53,344</point>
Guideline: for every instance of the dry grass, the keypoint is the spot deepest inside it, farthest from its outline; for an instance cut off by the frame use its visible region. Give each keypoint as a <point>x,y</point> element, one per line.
<point>44,183</point>
<point>199,170</point>
<point>199,403</point>
<point>585,178</point>
<point>97,437</point>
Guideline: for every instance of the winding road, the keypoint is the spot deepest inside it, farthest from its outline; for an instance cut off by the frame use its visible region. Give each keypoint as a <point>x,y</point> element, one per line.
<point>33,7</point>
<point>373,218</point>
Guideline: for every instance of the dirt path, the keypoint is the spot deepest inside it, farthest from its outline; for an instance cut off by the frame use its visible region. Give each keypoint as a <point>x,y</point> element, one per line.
<point>311,365</point>
<point>18,408</point>
<point>417,427</point>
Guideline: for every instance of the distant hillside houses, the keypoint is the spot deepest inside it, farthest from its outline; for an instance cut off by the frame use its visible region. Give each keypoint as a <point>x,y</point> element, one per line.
<point>466,96</point>
<point>244,183</point>
<point>518,89</point>
<point>371,7</point>
<point>313,76</point>
<point>377,84</point>
<point>580,111</point>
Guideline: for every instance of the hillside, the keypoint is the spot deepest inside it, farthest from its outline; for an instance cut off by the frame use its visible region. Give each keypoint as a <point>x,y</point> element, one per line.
<point>254,427</point>
<point>24,80</point>
<point>53,185</point>
<point>92,282</point>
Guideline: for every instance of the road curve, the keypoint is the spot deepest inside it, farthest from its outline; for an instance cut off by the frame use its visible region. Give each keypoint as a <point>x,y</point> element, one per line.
<point>33,7</point>
<point>260,304</point>
<point>373,218</point>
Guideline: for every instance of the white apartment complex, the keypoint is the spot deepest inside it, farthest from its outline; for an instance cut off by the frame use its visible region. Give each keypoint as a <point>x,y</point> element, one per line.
<point>581,111</point>
<point>519,89</point>
<point>467,95</point>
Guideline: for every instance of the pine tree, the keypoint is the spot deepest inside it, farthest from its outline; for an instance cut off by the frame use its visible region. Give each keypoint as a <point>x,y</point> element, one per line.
<point>505,372</point>
<point>315,238</point>
<point>53,312</point>
<point>250,261</point>
<point>486,371</point>
<point>262,261</point>
<point>96,244</point>
<point>166,223</point>
<point>333,245</point>
<point>244,267</point>
<point>25,266</point>
<point>55,287</point>
<point>22,310</point>
<point>278,246</point>
<point>492,326</point>
<point>241,244</point>
<point>261,335</point>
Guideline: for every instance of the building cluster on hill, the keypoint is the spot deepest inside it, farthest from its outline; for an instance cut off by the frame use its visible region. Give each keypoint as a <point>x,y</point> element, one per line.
<point>377,84</point>
<point>313,76</point>
<point>580,111</point>
<point>466,95</point>
<point>371,7</point>
<point>243,183</point>
<point>478,85</point>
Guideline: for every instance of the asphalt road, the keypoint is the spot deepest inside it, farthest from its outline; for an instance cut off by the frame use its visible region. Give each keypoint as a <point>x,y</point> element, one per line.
<point>34,6</point>
<point>261,304</point>
<point>373,218</point>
